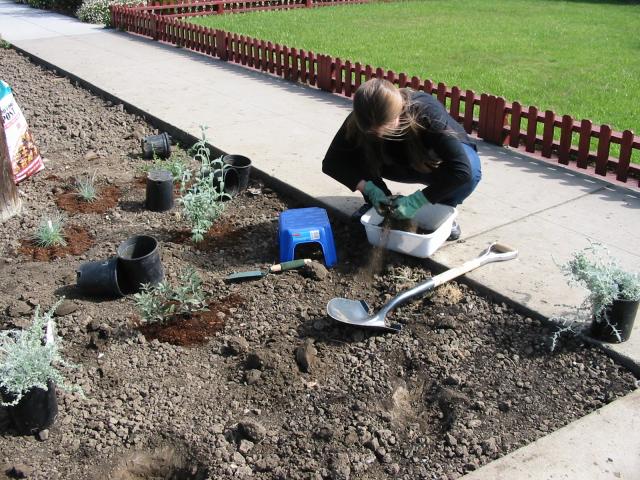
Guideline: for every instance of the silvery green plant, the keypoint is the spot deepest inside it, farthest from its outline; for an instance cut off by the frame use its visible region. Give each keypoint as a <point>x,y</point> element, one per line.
<point>157,303</point>
<point>86,187</point>
<point>202,199</point>
<point>30,358</point>
<point>595,269</point>
<point>50,232</point>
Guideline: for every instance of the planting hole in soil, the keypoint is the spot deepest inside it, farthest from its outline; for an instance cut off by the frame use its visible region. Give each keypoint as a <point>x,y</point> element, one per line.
<point>77,238</point>
<point>467,380</point>
<point>107,198</point>
<point>196,328</point>
<point>160,464</point>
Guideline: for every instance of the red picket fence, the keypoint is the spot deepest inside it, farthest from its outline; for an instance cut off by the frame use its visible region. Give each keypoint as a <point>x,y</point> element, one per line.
<point>187,8</point>
<point>492,118</point>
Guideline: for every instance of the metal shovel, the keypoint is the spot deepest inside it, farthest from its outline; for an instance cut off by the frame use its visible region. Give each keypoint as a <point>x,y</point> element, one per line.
<point>356,312</point>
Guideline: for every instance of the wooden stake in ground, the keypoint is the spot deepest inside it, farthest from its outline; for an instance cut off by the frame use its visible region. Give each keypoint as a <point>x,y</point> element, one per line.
<point>10,203</point>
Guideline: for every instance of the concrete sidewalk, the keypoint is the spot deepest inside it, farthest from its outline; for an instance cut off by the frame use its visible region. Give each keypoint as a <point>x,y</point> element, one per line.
<point>546,212</point>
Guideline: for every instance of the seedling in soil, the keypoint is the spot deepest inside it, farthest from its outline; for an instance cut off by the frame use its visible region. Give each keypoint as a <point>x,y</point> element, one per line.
<point>158,303</point>
<point>177,165</point>
<point>30,358</point>
<point>49,232</point>
<point>86,188</point>
<point>202,200</point>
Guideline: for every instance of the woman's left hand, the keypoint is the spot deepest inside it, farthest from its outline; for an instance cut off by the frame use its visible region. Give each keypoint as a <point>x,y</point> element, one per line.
<point>405,208</point>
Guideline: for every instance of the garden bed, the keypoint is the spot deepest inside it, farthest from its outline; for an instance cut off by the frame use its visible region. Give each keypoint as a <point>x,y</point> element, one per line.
<point>467,381</point>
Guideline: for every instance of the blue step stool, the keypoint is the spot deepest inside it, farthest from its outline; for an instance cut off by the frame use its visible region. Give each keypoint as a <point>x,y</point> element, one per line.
<point>306,225</point>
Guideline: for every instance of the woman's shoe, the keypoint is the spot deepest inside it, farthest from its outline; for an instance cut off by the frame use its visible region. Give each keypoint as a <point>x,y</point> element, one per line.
<point>455,232</point>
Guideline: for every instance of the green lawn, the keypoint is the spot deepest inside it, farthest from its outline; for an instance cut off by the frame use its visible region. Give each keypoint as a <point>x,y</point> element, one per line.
<point>577,58</point>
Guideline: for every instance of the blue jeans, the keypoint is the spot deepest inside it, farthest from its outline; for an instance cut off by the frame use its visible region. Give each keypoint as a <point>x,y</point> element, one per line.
<point>458,195</point>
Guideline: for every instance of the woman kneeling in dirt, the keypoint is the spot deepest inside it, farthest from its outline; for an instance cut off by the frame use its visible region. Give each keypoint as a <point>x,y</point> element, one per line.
<point>404,136</point>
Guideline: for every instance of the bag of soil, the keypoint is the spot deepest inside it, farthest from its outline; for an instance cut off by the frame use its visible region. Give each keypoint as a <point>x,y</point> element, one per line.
<point>24,155</point>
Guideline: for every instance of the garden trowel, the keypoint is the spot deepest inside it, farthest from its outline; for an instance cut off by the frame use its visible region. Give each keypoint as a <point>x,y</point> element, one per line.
<point>278,267</point>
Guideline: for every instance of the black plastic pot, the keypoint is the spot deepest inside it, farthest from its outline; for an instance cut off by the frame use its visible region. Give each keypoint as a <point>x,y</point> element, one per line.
<point>158,144</point>
<point>99,279</point>
<point>138,263</point>
<point>36,410</point>
<point>621,314</point>
<point>237,174</point>
<point>159,191</point>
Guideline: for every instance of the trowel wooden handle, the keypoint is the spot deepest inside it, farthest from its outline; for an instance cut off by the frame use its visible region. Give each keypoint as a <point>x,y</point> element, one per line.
<point>281,267</point>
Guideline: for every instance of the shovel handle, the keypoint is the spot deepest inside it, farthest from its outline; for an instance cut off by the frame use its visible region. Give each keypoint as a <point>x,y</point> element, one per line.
<point>496,252</point>
<point>290,265</point>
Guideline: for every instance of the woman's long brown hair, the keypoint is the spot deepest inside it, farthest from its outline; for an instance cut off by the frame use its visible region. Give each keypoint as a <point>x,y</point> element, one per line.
<point>375,105</point>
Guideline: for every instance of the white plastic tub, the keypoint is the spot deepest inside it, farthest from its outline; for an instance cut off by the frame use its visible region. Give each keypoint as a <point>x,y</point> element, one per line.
<point>438,218</point>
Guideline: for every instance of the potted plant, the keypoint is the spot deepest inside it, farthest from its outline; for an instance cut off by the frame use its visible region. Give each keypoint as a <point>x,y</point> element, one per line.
<point>614,294</point>
<point>29,361</point>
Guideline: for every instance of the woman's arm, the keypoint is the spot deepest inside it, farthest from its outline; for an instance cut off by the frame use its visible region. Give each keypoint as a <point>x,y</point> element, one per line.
<point>454,171</point>
<point>343,161</point>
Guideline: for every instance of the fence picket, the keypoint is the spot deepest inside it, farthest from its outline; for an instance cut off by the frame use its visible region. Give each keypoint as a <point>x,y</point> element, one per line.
<point>415,83</point>
<point>626,146</point>
<point>532,125</point>
<point>338,76</point>
<point>442,93</point>
<point>514,131</point>
<point>277,52</point>
<point>303,66</point>
<point>402,80</point>
<point>566,132</point>
<point>312,69</point>
<point>368,73</point>
<point>357,76</point>
<point>295,70</point>
<point>286,70</point>
<point>499,120</point>
<point>584,143</point>
<point>469,107</point>
<point>604,146</point>
<point>428,86</point>
<point>482,120</point>
<point>391,76</point>
<point>547,133</point>
<point>379,73</point>
<point>348,79</point>
<point>455,103</point>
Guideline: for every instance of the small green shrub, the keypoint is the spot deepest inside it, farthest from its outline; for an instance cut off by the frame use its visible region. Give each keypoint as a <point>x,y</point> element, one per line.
<point>157,303</point>
<point>176,164</point>
<point>86,188</point>
<point>26,361</point>
<point>97,11</point>
<point>595,269</point>
<point>50,232</point>
<point>202,201</point>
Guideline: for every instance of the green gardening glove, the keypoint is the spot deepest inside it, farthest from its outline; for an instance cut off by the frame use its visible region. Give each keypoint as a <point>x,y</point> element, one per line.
<point>376,196</point>
<point>405,208</point>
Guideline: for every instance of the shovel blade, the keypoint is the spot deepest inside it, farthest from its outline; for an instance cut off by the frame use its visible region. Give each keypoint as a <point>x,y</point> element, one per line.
<point>354,312</point>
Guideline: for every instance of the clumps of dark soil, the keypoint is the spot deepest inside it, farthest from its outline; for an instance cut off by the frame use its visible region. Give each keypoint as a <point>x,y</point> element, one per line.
<point>78,241</point>
<point>71,202</point>
<point>222,235</point>
<point>159,464</point>
<point>193,329</point>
